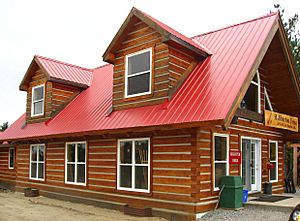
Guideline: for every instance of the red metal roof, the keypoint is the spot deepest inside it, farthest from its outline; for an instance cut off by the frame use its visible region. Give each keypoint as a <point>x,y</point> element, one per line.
<point>207,94</point>
<point>66,72</point>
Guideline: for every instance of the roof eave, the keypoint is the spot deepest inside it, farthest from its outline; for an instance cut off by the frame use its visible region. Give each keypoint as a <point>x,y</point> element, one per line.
<point>183,125</point>
<point>23,85</point>
<point>70,83</point>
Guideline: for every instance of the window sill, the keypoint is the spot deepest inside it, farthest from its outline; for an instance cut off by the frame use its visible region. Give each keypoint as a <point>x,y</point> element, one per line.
<point>37,115</point>
<point>134,192</point>
<point>250,115</point>
<point>37,180</point>
<point>138,97</point>
<point>83,185</point>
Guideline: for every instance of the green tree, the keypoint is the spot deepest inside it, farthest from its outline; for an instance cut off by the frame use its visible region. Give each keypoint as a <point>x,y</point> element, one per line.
<point>292,33</point>
<point>4,126</point>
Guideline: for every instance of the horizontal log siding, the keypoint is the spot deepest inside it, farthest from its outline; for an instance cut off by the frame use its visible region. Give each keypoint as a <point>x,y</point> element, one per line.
<point>172,167</point>
<point>172,179</point>
<point>206,197</point>
<point>179,62</point>
<point>61,95</point>
<point>7,176</point>
<point>139,37</point>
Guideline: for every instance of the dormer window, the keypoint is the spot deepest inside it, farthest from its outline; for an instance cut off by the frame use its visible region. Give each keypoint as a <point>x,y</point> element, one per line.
<point>37,107</point>
<point>251,100</point>
<point>138,73</point>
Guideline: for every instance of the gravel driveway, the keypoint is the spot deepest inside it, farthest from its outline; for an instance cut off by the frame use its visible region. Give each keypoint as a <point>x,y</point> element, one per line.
<point>249,214</point>
<point>16,207</point>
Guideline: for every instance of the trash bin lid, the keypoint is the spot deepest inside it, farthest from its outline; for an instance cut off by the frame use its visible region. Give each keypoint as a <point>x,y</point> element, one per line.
<point>231,181</point>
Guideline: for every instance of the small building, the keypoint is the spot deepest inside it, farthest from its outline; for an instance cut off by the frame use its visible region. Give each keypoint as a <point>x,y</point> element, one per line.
<point>161,123</point>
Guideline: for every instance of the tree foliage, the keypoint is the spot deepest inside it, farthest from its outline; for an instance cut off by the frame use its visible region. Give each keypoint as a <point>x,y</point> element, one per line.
<point>4,126</point>
<point>292,33</point>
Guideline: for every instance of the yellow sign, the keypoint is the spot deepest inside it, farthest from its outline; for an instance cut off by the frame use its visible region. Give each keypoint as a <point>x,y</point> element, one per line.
<point>283,121</point>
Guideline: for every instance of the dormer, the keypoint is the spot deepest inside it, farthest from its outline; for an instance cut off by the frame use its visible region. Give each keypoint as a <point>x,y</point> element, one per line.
<point>50,86</point>
<point>151,61</point>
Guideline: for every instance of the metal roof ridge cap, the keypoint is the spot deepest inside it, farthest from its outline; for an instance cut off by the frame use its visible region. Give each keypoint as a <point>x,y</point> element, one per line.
<point>234,25</point>
<point>63,63</point>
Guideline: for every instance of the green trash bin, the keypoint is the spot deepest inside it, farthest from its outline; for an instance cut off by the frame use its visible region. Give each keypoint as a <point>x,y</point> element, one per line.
<point>232,193</point>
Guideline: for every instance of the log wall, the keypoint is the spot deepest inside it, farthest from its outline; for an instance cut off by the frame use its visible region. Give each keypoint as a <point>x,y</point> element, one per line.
<point>7,176</point>
<point>172,167</point>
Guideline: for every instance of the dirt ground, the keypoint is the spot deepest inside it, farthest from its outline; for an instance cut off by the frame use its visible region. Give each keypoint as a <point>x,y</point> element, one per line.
<point>15,207</point>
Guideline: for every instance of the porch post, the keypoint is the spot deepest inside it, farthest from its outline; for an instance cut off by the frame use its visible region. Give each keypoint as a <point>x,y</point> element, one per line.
<point>295,161</point>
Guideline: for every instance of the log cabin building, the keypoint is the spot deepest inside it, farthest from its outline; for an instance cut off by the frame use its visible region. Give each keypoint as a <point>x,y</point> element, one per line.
<point>156,127</point>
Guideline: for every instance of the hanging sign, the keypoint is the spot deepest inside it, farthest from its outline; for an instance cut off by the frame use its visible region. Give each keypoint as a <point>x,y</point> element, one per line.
<point>235,156</point>
<point>283,121</point>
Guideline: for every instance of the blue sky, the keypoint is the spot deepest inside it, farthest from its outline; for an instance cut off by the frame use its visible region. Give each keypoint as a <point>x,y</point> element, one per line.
<point>78,32</point>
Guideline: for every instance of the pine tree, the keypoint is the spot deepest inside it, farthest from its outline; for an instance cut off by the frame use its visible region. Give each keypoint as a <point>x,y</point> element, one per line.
<point>292,33</point>
<point>4,126</point>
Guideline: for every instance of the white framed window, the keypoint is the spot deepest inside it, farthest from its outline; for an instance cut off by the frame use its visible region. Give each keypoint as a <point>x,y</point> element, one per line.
<point>138,73</point>
<point>133,172</point>
<point>268,104</point>
<point>221,155</point>
<point>11,158</point>
<point>37,162</point>
<point>75,163</point>
<point>252,98</point>
<point>38,97</point>
<point>273,173</point>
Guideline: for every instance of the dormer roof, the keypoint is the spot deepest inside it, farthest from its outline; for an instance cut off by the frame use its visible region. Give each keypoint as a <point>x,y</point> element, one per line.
<point>60,72</point>
<point>169,35</point>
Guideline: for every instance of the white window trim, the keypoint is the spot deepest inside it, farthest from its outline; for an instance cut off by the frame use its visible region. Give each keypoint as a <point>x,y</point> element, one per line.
<point>126,73</point>
<point>37,162</point>
<point>267,99</point>
<point>32,102</point>
<point>227,157</point>
<point>76,163</point>
<point>273,161</point>
<point>9,167</point>
<point>258,91</point>
<point>133,165</point>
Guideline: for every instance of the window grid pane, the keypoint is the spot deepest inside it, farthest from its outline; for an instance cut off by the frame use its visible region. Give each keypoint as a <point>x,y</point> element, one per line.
<point>37,162</point>
<point>38,100</point>
<point>38,93</point>
<point>11,157</point>
<point>138,84</point>
<point>138,73</point>
<point>220,158</point>
<point>274,161</point>
<point>139,63</point>
<point>134,176</point>
<point>76,163</point>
